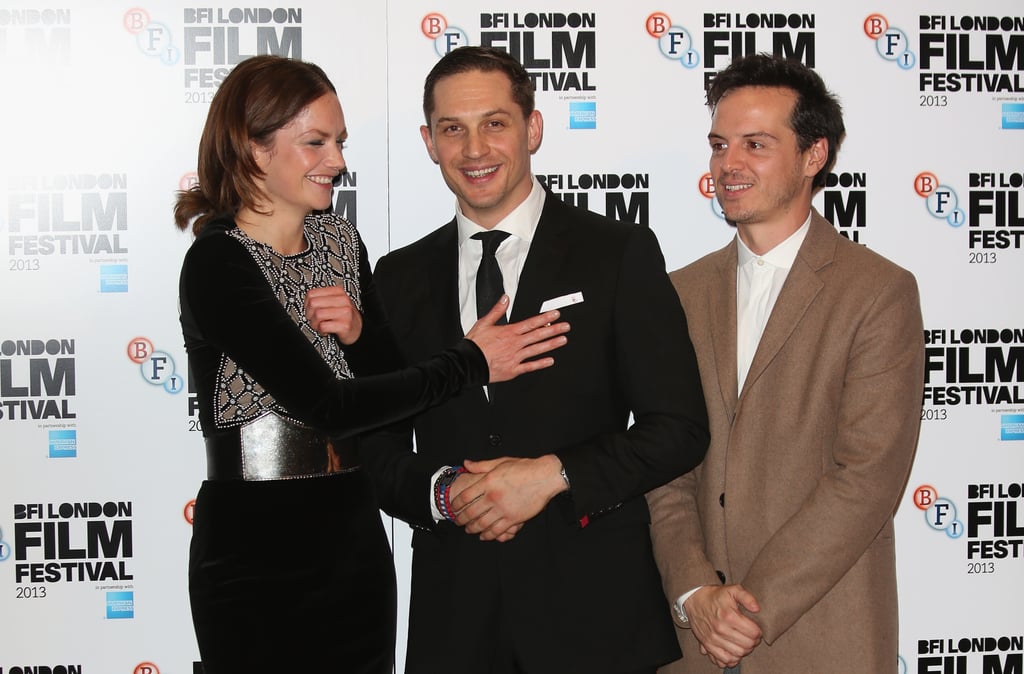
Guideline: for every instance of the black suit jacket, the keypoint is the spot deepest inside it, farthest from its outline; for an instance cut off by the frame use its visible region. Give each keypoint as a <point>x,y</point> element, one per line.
<point>577,589</point>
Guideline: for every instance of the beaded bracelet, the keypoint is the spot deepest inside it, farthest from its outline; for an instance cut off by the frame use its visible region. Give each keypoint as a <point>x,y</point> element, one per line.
<point>442,489</point>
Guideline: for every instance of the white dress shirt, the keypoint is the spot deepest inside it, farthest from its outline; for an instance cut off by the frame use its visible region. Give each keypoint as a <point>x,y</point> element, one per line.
<point>521,224</point>
<point>759,280</point>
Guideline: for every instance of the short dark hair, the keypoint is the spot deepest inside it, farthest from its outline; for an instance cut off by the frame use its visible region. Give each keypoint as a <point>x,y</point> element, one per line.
<point>486,59</point>
<point>259,96</point>
<point>816,113</point>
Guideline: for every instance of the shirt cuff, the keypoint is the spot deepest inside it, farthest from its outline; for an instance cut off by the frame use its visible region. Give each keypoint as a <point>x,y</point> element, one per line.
<point>680,609</point>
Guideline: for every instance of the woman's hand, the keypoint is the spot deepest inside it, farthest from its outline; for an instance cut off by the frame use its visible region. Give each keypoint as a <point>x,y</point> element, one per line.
<point>509,348</point>
<point>330,311</point>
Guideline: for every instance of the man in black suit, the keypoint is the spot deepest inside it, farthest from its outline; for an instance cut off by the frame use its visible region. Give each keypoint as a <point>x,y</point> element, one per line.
<point>531,552</point>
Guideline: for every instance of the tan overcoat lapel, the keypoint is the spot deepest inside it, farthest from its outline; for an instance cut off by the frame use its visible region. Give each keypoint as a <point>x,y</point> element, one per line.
<point>722,310</point>
<point>801,287</point>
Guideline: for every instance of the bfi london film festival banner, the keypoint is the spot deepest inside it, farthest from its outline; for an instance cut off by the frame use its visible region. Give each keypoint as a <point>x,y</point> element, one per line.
<point>101,453</point>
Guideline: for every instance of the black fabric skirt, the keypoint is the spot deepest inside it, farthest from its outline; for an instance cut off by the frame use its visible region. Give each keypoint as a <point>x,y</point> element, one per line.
<point>292,576</point>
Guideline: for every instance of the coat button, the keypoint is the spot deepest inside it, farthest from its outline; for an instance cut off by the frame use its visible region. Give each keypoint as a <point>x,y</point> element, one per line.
<point>721,576</point>
<point>494,439</point>
<point>721,499</point>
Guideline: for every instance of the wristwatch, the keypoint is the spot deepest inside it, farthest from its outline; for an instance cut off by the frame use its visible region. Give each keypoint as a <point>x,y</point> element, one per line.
<point>446,478</point>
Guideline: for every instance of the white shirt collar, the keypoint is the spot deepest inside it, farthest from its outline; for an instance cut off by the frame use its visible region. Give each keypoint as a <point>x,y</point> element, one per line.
<point>782,255</point>
<point>521,222</point>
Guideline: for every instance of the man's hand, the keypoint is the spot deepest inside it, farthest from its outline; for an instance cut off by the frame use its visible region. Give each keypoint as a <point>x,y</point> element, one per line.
<point>465,480</point>
<point>724,633</point>
<point>330,311</point>
<point>510,348</point>
<point>506,493</point>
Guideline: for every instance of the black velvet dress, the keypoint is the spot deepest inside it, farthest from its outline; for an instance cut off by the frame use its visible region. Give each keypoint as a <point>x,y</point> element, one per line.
<point>289,568</point>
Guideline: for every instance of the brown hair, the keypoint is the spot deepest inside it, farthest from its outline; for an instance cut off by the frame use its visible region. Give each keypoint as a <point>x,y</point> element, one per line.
<point>261,95</point>
<point>485,59</point>
<point>816,113</point>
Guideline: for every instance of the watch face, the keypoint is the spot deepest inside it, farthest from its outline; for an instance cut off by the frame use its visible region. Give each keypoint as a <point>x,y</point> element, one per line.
<point>447,477</point>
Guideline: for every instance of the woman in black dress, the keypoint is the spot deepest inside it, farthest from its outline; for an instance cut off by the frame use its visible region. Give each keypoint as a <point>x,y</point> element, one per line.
<point>289,567</point>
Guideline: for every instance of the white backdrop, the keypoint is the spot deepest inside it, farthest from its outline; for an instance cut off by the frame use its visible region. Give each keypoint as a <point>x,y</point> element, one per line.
<point>100,451</point>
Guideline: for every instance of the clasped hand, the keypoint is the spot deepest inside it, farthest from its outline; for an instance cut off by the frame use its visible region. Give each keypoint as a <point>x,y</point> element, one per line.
<point>725,634</point>
<point>495,498</point>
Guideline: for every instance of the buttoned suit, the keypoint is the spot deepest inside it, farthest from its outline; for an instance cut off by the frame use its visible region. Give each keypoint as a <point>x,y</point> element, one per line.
<point>577,589</point>
<point>807,463</point>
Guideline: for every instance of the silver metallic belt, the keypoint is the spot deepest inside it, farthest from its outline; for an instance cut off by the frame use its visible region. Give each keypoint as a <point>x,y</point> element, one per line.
<point>274,448</point>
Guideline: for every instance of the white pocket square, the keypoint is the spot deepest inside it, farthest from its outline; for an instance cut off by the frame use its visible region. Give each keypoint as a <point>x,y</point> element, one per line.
<point>563,301</point>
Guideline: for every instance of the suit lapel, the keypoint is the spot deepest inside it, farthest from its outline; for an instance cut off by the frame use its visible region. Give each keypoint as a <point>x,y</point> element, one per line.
<point>442,281</point>
<point>545,261</point>
<point>443,277</point>
<point>801,287</point>
<point>722,310</point>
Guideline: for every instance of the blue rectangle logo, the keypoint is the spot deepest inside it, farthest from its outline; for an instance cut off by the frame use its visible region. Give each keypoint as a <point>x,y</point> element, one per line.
<point>1011,427</point>
<point>63,444</point>
<point>1013,115</point>
<point>120,605</point>
<point>583,115</point>
<point>114,278</point>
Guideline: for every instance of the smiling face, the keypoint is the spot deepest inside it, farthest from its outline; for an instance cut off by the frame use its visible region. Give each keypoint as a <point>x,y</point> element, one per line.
<point>762,179</point>
<point>482,142</point>
<point>302,161</point>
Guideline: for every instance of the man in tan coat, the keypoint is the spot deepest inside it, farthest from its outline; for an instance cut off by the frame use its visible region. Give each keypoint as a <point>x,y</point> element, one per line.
<point>777,553</point>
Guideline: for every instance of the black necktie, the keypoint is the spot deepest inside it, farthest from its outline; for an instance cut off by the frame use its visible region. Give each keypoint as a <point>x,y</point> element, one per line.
<point>489,286</point>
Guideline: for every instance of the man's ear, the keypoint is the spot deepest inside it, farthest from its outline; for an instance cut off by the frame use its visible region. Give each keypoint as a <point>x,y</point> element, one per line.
<point>428,140</point>
<point>817,156</point>
<point>535,130</point>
